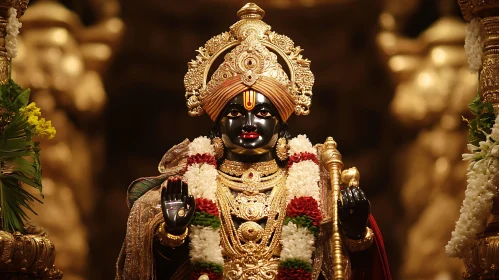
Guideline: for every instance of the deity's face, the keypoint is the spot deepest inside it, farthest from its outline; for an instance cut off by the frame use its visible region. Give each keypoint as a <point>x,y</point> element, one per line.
<point>252,129</point>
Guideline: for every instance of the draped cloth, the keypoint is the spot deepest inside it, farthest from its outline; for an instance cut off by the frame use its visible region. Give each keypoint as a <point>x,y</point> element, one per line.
<point>137,262</point>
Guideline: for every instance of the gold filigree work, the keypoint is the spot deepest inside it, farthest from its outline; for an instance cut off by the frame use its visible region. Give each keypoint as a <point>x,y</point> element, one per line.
<point>251,251</point>
<point>251,181</point>
<point>250,59</point>
<point>30,254</point>
<point>237,168</point>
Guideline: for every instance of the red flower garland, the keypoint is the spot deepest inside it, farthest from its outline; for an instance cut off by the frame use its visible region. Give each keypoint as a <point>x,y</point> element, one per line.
<point>295,158</point>
<point>293,273</point>
<point>304,205</point>
<point>207,206</point>
<point>202,158</point>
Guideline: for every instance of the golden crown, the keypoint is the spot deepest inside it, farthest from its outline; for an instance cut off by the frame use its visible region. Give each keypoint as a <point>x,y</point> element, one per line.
<point>250,59</point>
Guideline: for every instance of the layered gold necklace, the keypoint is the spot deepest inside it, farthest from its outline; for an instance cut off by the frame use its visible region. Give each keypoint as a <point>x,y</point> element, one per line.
<point>251,250</point>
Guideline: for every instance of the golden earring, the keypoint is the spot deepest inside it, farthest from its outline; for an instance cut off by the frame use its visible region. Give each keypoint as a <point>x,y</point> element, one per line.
<point>282,149</point>
<point>218,146</point>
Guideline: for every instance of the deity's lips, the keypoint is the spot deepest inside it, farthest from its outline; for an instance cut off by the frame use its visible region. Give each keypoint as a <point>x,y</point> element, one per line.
<point>249,135</point>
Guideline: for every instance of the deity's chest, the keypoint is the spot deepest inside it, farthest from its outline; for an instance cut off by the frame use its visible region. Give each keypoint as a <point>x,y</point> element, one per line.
<point>252,216</point>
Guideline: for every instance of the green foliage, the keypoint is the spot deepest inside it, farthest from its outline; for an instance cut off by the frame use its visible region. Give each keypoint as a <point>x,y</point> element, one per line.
<point>206,220</point>
<point>483,121</point>
<point>19,159</point>
<point>295,264</point>
<point>199,266</point>
<point>12,97</point>
<point>304,222</point>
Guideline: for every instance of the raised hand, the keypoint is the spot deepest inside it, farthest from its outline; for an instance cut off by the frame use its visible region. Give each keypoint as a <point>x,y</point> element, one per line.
<point>353,212</point>
<point>177,205</point>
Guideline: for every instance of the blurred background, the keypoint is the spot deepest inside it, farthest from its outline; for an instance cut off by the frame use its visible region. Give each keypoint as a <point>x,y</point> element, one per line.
<point>391,86</point>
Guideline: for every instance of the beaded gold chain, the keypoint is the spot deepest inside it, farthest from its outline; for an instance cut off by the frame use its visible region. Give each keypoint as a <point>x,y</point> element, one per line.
<point>251,251</point>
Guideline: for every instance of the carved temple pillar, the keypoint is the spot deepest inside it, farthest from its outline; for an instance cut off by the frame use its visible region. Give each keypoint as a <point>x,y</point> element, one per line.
<point>482,261</point>
<point>30,255</point>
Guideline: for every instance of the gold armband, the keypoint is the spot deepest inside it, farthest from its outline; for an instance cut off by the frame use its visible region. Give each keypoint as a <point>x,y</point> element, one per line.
<point>168,239</point>
<point>360,244</point>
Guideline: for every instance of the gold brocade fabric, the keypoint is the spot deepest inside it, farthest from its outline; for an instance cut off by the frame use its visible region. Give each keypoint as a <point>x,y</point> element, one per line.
<point>136,261</point>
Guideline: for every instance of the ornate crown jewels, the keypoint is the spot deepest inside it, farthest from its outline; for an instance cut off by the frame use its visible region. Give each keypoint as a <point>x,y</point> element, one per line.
<point>252,63</point>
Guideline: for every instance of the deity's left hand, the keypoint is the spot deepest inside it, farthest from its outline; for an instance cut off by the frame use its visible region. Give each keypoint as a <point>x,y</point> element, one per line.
<point>353,212</point>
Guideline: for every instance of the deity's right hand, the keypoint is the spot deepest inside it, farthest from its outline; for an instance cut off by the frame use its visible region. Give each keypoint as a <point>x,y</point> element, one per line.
<point>177,205</point>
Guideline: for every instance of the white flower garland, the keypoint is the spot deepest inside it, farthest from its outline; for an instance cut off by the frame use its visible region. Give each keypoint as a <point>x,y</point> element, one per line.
<point>302,181</point>
<point>301,144</point>
<point>205,245</point>
<point>303,178</point>
<point>298,243</point>
<point>12,29</point>
<point>201,179</point>
<point>473,45</point>
<point>481,189</point>
<point>201,145</point>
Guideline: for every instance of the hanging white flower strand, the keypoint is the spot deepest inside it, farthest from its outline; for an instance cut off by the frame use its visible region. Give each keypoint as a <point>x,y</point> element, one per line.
<point>473,45</point>
<point>13,26</point>
<point>480,190</point>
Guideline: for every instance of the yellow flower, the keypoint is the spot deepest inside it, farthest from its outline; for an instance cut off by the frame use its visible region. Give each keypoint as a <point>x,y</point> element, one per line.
<point>31,110</point>
<point>45,128</point>
<point>42,126</point>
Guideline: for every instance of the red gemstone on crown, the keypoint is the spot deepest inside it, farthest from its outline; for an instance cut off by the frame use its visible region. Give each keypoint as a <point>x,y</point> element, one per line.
<point>249,103</point>
<point>250,175</point>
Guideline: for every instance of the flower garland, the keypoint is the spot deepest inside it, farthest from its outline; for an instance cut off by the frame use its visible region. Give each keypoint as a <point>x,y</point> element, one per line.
<point>12,29</point>
<point>303,217</point>
<point>473,45</point>
<point>301,225</point>
<point>482,168</point>
<point>201,176</point>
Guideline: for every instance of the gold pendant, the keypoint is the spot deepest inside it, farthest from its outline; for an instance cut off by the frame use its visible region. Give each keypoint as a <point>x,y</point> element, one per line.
<point>250,232</point>
<point>251,207</point>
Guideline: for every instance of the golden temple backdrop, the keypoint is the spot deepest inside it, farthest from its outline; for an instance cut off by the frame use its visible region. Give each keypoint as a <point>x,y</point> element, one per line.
<point>391,86</point>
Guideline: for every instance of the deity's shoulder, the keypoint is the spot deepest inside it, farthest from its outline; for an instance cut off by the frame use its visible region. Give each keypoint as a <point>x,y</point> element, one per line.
<point>172,163</point>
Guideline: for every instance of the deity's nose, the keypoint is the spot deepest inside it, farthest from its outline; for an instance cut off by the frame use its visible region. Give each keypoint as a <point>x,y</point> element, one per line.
<point>249,125</point>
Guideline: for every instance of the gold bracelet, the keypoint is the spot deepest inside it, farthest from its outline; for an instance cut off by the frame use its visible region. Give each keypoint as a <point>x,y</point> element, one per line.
<point>360,244</point>
<point>168,239</point>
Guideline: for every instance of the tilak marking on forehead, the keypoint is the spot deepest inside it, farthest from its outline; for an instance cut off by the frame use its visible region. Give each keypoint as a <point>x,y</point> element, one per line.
<point>249,99</point>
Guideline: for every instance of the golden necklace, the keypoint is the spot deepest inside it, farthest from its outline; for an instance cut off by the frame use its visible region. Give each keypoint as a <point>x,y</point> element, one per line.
<point>237,168</point>
<point>251,251</point>
<point>256,178</point>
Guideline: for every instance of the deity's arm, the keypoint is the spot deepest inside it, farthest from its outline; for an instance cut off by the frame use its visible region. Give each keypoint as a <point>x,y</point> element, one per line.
<point>363,250</point>
<point>170,262</point>
<point>142,254</point>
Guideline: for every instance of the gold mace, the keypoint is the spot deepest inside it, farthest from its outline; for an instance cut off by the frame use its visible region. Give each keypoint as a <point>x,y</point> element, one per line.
<point>331,158</point>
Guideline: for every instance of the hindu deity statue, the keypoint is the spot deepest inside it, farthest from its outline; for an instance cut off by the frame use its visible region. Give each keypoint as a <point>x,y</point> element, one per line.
<point>248,201</point>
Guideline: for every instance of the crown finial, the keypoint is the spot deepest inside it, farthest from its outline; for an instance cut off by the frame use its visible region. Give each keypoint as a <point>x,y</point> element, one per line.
<point>251,11</point>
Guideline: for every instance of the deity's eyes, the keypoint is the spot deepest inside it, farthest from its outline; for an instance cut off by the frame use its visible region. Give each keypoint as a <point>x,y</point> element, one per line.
<point>234,113</point>
<point>264,113</point>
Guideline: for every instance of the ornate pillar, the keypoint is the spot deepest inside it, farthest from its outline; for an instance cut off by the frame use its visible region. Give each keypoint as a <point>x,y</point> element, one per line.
<point>27,255</point>
<point>482,260</point>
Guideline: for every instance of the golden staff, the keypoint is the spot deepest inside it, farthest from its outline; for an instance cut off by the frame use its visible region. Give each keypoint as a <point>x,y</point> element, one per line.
<point>331,157</point>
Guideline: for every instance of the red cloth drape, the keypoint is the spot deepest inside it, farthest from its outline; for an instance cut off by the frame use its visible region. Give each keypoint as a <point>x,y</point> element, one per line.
<point>372,264</point>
